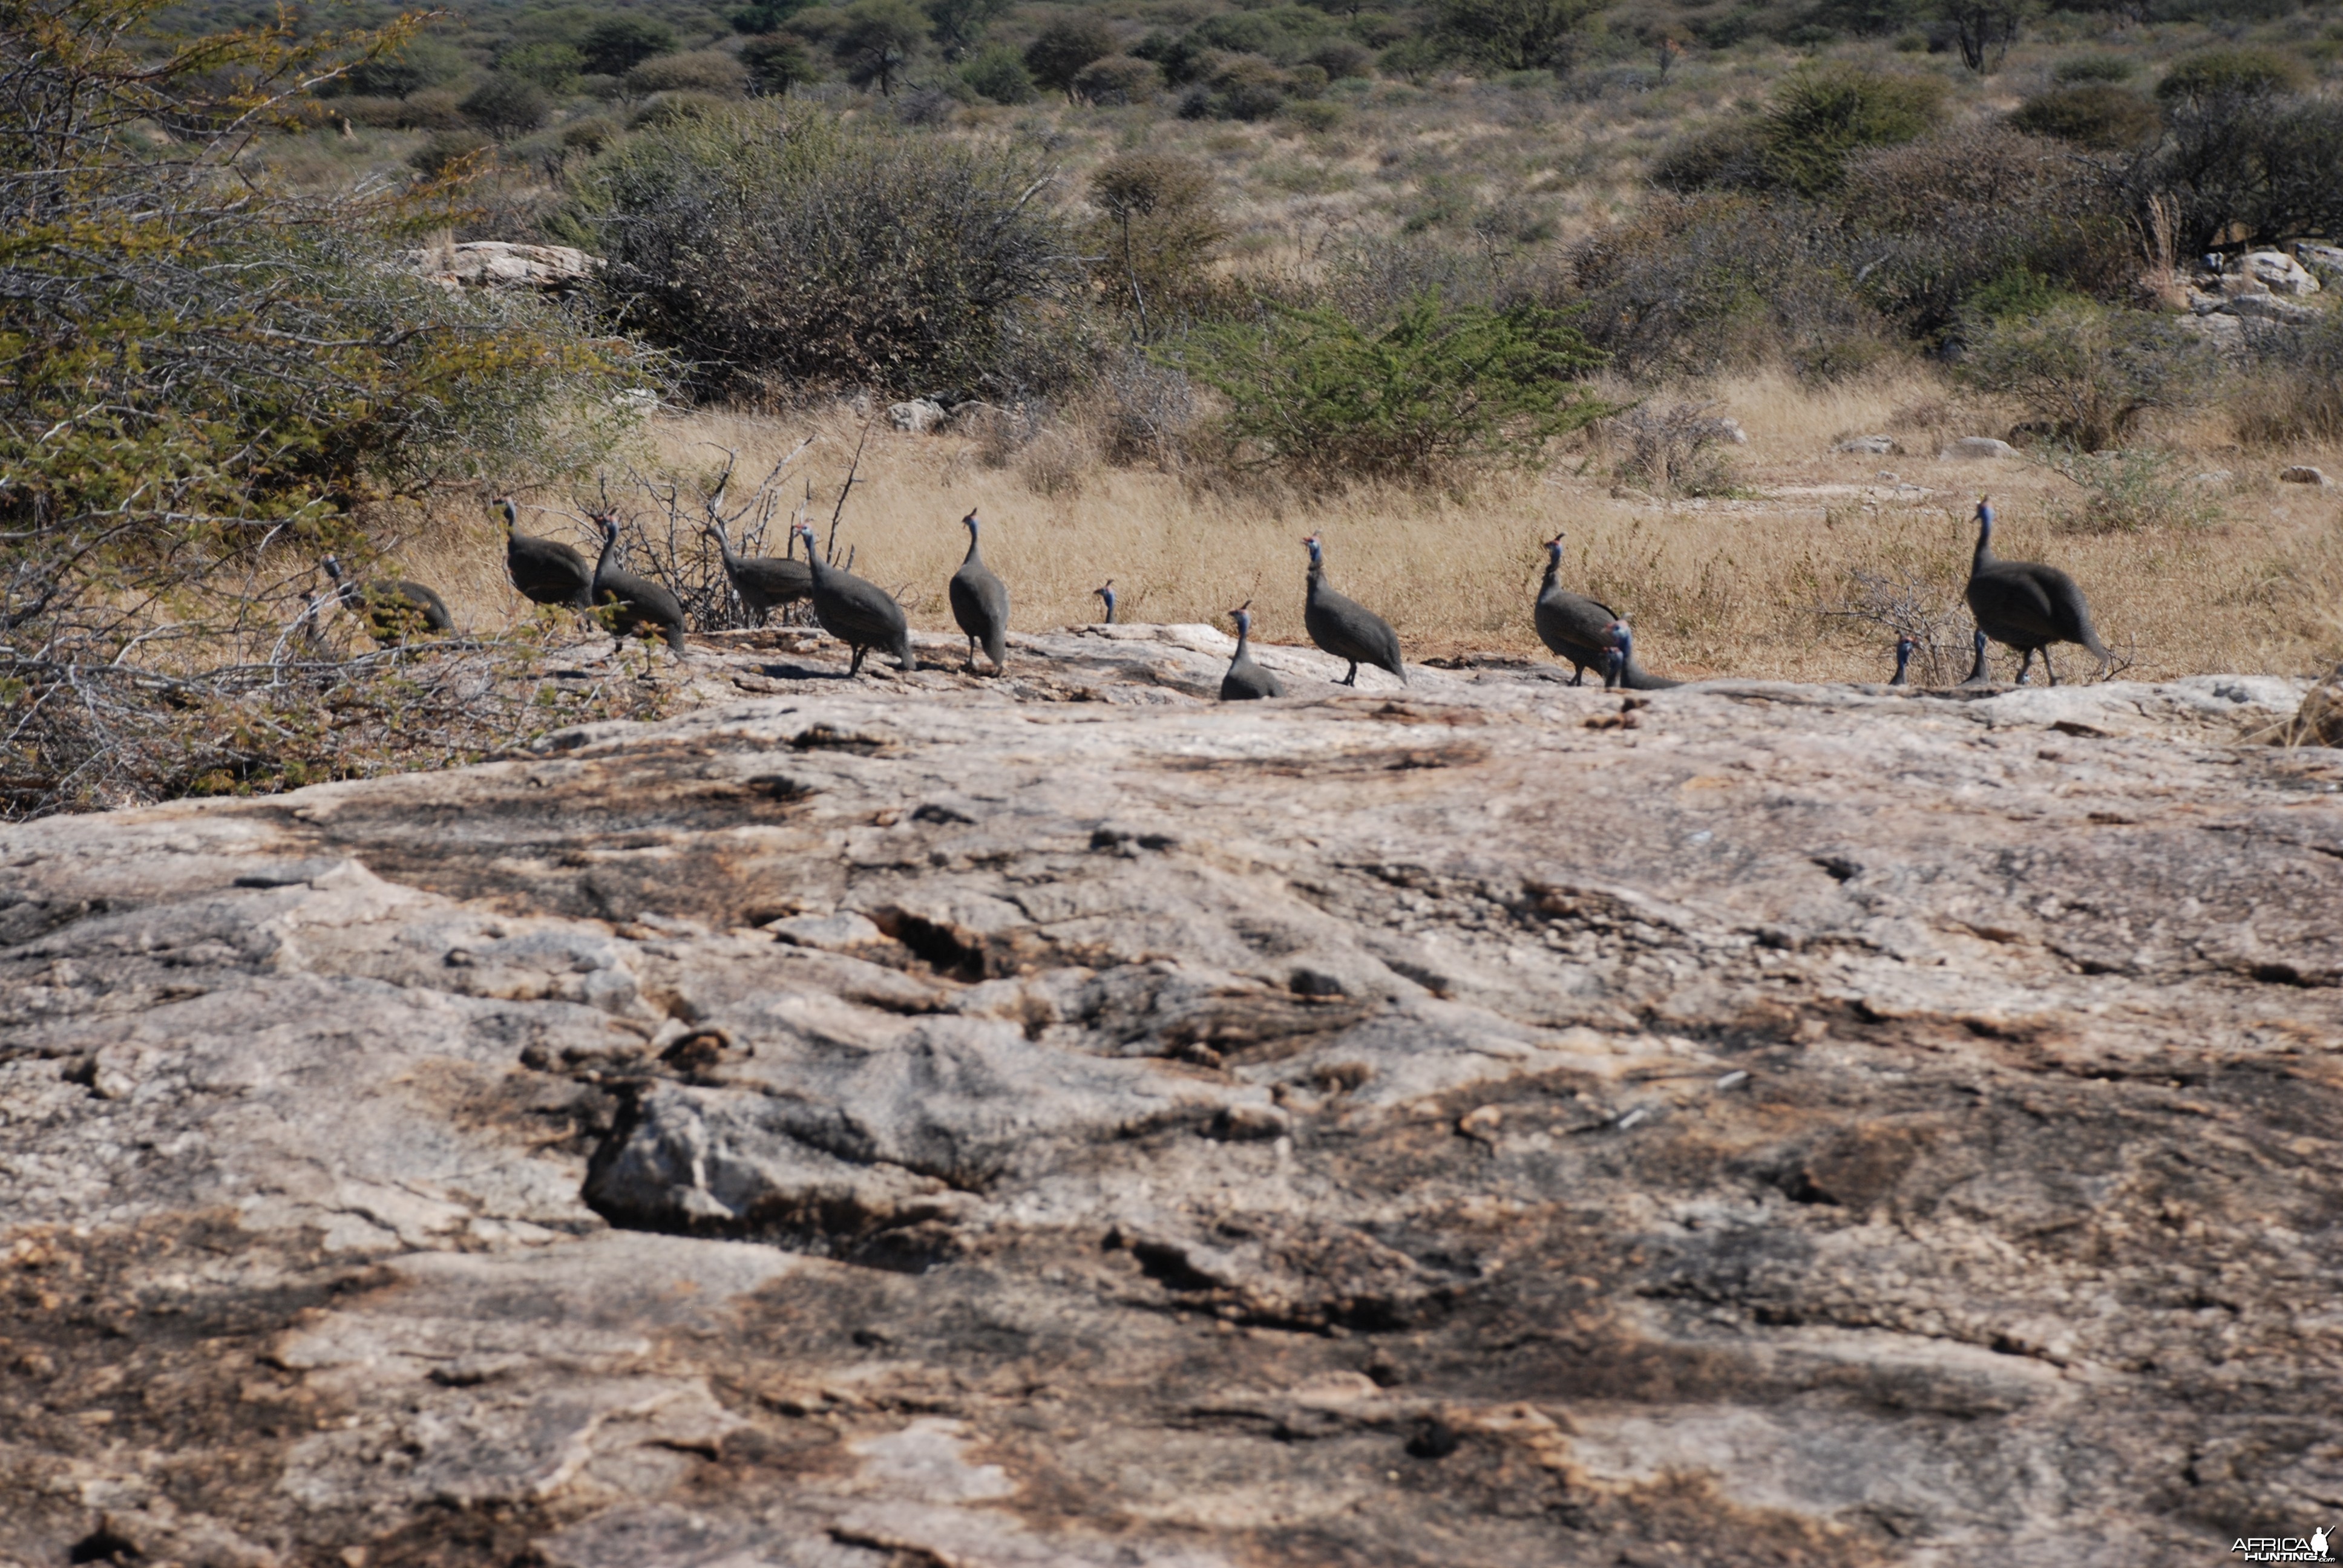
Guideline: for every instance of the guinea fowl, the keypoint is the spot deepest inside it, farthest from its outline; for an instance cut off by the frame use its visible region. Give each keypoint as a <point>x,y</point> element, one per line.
<point>859,614</point>
<point>1346,628</point>
<point>1980,673</point>
<point>393,609</point>
<point>546,571</point>
<point>1106,592</point>
<point>979,603</point>
<point>2025,606</point>
<point>1246,681</point>
<point>1618,654</point>
<point>1578,629</point>
<point>764,583</point>
<point>632,604</point>
<point>1905,648</point>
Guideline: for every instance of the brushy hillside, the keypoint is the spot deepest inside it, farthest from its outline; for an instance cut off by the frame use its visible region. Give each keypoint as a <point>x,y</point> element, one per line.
<point>1197,278</point>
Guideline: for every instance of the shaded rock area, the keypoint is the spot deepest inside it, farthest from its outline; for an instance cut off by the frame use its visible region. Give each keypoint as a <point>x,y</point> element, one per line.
<point>1054,1120</point>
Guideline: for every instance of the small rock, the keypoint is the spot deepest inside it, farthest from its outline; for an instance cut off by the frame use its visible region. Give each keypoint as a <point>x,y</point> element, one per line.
<point>1978,447</point>
<point>500,264</point>
<point>830,933</point>
<point>919,417</point>
<point>1889,476</point>
<point>2269,307</point>
<point>2324,261</point>
<point>2225,333</point>
<point>1483,1123</point>
<point>2302,474</point>
<point>1869,446</point>
<point>2212,476</point>
<point>1729,430</point>
<point>2279,273</point>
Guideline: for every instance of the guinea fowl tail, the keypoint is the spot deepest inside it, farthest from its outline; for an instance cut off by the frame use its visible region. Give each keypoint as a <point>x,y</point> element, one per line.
<point>2068,602</point>
<point>1637,678</point>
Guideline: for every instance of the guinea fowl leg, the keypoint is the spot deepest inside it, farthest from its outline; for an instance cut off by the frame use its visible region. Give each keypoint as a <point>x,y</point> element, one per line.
<point>2023,665</point>
<point>1351,678</point>
<point>855,668</point>
<point>972,655</point>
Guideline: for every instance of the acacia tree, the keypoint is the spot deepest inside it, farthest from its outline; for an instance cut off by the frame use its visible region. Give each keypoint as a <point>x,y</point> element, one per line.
<point>878,39</point>
<point>1514,34</point>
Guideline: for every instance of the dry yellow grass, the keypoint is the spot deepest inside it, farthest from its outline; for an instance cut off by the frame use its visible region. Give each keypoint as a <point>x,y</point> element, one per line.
<point>1727,587</point>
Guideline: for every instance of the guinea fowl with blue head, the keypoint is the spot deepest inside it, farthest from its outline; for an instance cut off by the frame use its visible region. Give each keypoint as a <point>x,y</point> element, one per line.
<point>1346,628</point>
<point>1578,629</point>
<point>393,609</point>
<point>979,603</point>
<point>859,614</point>
<point>1905,648</point>
<point>764,583</point>
<point>631,604</point>
<point>1618,655</point>
<point>1246,681</point>
<point>546,571</point>
<point>1106,592</point>
<point>2027,605</point>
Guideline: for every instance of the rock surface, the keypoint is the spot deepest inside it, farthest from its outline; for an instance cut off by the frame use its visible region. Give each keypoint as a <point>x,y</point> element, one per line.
<point>501,264</point>
<point>1059,1120</point>
<point>1978,447</point>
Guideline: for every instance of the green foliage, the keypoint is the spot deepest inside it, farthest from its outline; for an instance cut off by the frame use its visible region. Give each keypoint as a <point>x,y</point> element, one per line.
<point>2129,492</point>
<point>1435,391</point>
<point>877,38</point>
<point>2210,76</point>
<point>1513,35</point>
<point>506,105</point>
<point>777,62</point>
<point>766,16</point>
<point>553,67</point>
<point>200,368</point>
<point>617,45</point>
<point>1822,115</point>
<point>701,71</point>
<point>1116,79</point>
<point>959,25</point>
<point>2019,293</point>
<point>444,150</point>
<point>414,65</point>
<point>2089,372</point>
<point>1156,235</point>
<point>774,245</point>
<point>1063,48</point>
<point>999,72</point>
<point>2094,115</point>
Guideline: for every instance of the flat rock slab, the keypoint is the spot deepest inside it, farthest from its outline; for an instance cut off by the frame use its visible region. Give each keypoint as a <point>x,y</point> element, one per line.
<point>1060,1121</point>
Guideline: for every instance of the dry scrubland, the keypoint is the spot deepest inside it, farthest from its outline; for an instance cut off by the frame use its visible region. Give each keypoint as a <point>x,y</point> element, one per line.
<point>1714,586</point>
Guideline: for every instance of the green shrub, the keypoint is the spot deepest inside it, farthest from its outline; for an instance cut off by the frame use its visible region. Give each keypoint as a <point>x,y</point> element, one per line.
<point>506,105</point>
<point>1114,79</point>
<point>1063,48</point>
<point>409,67</point>
<point>444,148</point>
<point>2093,115</point>
<point>999,74</point>
<point>2020,292</point>
<point>2089,372</point>
<point>2295,393</point>
<point>2081,68</point>
<point>1938,219</point>
<point>1315,114</point>
<point>1821,115</point>
<point>777,62</point>
<point>773,245</point>
<point>617,45</point>
<point>2232,72</point>
<point>875,40</point>
<point>766,16</point>
<point>1436,391</point>
<point>1155,237</point>
<point>1342,59</point>
<point>1513,35</point>
<point>2128,492</point>
<point>710,71</point>
<point>552,66</point>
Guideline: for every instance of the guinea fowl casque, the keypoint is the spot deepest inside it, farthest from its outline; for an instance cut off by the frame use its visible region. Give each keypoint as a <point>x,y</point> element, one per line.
<point>859,614</point>
<point>1106,592</point>
<point>1578,629</point>
<point>765,583</point>
<point>1246,681</point>
<point>1346,628</point>
<point>546,571</point>
<point>2027,605</point>
<point>393,609</point>
<point>979,603</point>
<point>633,605</point>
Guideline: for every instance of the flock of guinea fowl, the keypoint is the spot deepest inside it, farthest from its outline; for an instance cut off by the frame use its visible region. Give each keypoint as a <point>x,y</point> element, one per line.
<point>2022,605</point>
